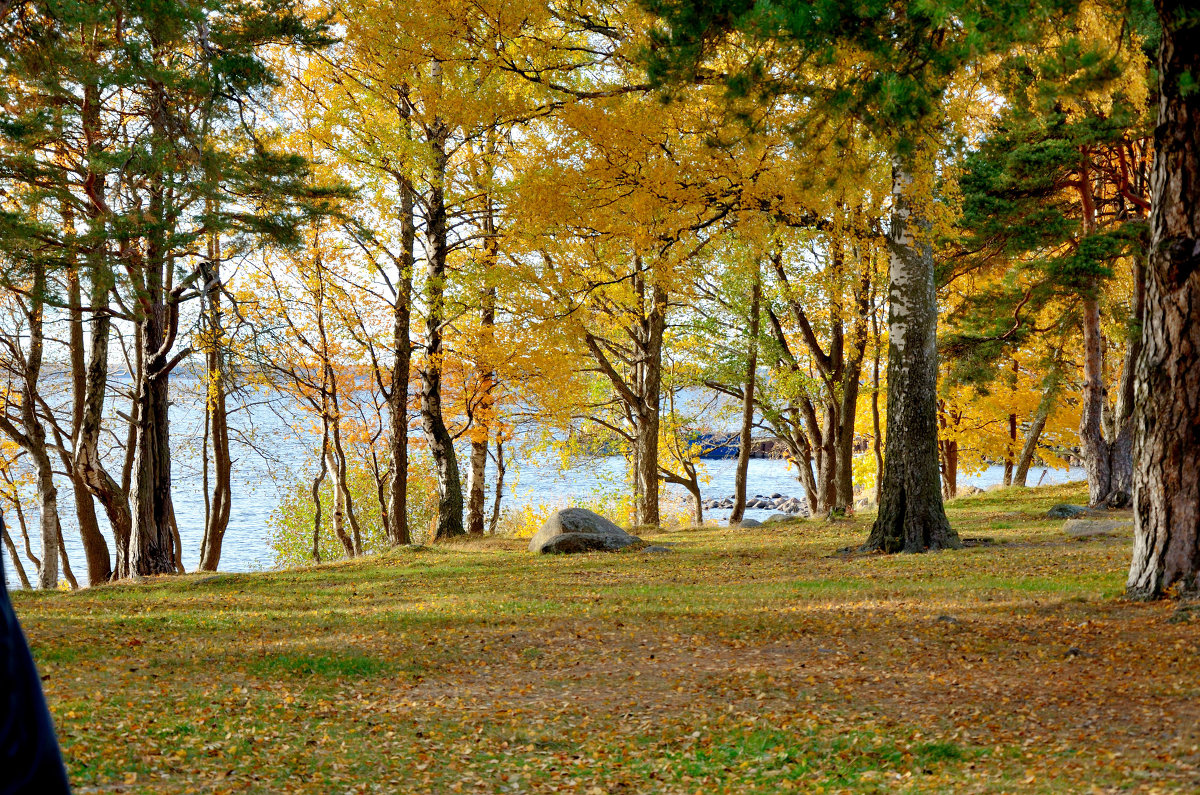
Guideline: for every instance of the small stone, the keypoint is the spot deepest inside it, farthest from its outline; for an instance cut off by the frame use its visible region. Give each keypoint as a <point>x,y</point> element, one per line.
<point>1065,511</point>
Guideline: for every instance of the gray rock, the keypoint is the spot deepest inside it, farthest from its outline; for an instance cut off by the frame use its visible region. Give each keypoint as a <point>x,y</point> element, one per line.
<point>777,496</point>
<point>579,530</point>
<point>1065,511</point>
<point>777,517</point>
<point>967,491</point>
<point>749,523</point>
<point>1084,528</point>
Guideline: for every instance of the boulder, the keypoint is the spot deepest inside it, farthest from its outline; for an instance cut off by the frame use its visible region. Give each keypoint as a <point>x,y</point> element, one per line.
<point>749,523</point>
<point>579,530</point>
<point>777,517</point>
<point>777,496</point>
<point>1085,528</point>
<point>967,491</point>
<point>1065,511</point>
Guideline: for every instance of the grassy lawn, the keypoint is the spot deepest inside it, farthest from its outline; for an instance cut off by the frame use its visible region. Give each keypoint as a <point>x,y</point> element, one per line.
<point>756,660</point>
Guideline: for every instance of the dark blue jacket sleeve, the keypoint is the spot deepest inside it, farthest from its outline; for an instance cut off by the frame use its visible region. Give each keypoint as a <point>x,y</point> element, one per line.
<point>30,762</point>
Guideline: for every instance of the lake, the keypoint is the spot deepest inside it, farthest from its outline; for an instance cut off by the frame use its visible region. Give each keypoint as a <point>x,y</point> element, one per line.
<point>540,482</point>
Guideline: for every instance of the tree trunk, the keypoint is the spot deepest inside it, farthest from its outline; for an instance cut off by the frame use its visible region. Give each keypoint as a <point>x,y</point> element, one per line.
<point>48,520</point>
<point>449,521</point>
<point>649,386</point>
<point>1166,549</point>
<point>401,366</point>
<point>1012,442</point>
<point>12,554</point>
<point>499,492</point>
<point>318,481</point>
<point>95,547</point>
<point>1029,449</point>
<point>88,464</point>
<point>485,406</point>
<point>745,439</point>
<point>216,418</point>
<point>911,515</point>
<point>877,441</point>
<point>152,543</point>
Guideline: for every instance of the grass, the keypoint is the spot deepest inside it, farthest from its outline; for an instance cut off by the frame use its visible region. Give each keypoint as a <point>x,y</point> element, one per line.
<point>749,661</point>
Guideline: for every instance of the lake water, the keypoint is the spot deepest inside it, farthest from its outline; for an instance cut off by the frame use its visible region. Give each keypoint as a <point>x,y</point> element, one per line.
<point>529,482</point>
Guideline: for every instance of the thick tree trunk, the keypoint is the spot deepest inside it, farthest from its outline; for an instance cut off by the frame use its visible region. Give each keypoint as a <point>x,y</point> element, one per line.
<point>1166,550</point>
<point>449,522</point>
<point>152,543</point>
<point>911,515</point>
<point>745,439</point>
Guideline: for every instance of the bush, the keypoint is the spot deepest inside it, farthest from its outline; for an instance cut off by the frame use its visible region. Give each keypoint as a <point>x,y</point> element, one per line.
<point>291,525</point>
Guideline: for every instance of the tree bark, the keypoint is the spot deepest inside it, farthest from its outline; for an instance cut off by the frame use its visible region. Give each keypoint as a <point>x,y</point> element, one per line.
<point>1166,550</point>
<point>1029,448</point>
<point>398,530</point>
<point>216,519</point>
<point>648,379</point>
<point>12,554</point>
<point>498,494</point>
<point>449,521</point>
<point>745,439</point>
<point>911,515</point>
<point>95,547</point>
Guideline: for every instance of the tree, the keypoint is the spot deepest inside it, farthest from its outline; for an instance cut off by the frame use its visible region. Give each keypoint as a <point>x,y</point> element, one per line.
<point>1054,204</point>
<point>1167,418</point>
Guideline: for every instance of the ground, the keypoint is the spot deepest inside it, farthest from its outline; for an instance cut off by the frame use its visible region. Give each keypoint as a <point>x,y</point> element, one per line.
<point>756,660</point>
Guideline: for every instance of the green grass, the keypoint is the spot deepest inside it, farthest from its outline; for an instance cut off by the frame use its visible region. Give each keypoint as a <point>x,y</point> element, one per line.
<point>749,661</point>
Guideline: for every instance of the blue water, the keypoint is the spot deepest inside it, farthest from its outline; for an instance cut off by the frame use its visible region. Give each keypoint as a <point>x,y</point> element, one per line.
<point>271,445</point>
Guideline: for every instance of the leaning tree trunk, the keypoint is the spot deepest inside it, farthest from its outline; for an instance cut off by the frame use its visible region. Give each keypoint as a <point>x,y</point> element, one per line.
<point>911,515</point>
<point>747,429</point>
<point>1029,448</point>
<point>1166,489</point>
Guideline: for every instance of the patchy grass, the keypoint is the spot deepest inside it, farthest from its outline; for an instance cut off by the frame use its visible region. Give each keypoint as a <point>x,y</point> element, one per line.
<point>749,661</point>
